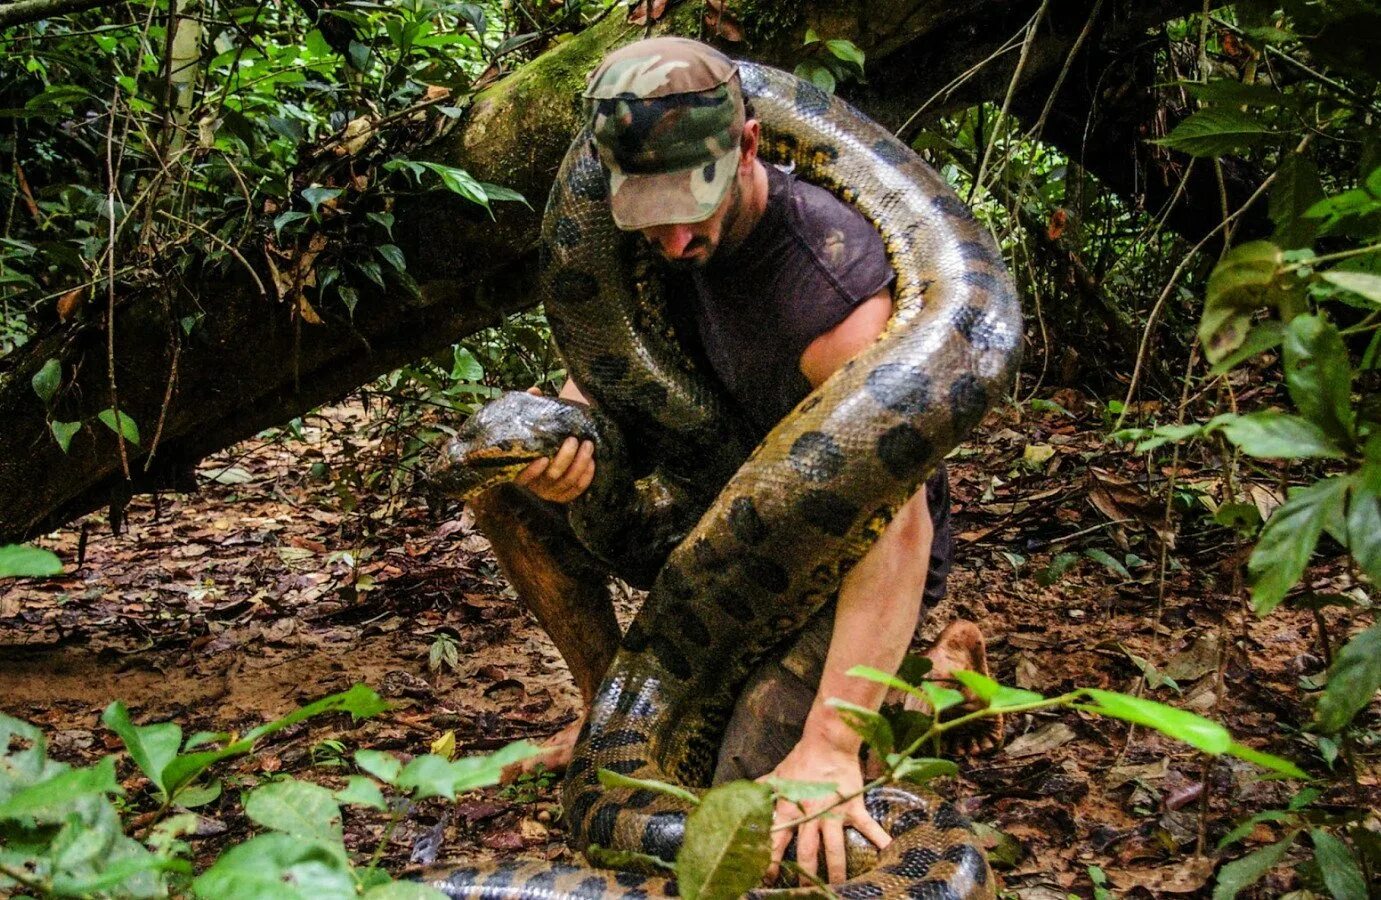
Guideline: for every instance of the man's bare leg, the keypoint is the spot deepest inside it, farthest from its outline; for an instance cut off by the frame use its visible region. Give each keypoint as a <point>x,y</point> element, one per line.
<point>565,588</point>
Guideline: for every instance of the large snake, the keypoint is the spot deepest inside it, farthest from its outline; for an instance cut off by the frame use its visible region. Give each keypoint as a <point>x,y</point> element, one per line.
<point>741,549</point>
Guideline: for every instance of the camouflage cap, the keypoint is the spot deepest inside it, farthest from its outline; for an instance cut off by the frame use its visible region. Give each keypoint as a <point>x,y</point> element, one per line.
<point>667,115</point>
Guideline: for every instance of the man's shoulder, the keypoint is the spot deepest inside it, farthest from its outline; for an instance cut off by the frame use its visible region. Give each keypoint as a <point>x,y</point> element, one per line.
<point>837,234</point>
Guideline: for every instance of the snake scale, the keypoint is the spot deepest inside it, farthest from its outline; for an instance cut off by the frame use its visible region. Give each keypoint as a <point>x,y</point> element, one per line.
<point>735,570</point>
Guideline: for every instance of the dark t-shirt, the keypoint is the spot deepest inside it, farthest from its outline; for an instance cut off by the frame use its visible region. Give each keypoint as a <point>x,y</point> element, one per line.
<point>809,261</point>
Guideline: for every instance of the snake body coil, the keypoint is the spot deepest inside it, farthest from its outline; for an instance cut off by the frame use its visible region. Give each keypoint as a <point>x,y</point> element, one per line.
<point>750,562</point>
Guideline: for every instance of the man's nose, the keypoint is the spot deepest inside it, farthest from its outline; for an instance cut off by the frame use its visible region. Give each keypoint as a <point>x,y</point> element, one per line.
<point>673,240</point>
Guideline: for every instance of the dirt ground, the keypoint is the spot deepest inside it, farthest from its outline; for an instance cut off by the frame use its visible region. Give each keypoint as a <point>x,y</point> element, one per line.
<point>273,586</point>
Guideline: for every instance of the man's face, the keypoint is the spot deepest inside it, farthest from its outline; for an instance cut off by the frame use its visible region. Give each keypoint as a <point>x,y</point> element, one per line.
<point>691,245</point>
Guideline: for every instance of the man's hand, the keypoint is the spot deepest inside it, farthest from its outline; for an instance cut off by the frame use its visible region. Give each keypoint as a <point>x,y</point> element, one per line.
<point>822,762</point>
<point>562,477</point>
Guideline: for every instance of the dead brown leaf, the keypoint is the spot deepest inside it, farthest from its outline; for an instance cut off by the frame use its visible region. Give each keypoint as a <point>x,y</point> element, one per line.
<point>1186,878</point>
<point>641,10</point>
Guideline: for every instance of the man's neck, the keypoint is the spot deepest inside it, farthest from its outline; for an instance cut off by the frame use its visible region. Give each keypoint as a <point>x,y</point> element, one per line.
<point>748,212</point>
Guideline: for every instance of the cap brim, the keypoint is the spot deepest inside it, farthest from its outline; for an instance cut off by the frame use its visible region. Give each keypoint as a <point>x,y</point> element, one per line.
<point>670,198</point>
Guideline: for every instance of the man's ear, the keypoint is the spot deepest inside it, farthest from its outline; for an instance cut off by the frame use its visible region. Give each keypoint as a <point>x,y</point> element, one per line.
<point>748,144</point>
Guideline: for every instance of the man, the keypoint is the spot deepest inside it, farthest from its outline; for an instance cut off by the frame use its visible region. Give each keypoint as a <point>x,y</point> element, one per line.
<point>785,284</point>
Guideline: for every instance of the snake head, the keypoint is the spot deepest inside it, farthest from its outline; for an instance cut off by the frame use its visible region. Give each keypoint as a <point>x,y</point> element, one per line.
<point>504,437</point>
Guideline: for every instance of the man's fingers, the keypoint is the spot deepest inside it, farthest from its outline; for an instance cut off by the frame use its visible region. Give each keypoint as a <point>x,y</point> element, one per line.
<point>780,840</point>
<point>533,471</point>
<point>835,862</point>
<point>871,830</point>
<point>808,847</point>
<point>563,458</point>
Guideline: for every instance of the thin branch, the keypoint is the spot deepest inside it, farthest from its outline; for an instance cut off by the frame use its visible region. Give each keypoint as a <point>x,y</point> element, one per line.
<point>110,285</point>
<point>24,11</point>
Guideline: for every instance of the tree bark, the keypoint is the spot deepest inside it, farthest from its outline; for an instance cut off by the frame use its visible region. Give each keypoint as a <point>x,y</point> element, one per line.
<point>253,362</point>
<point>23,11</point>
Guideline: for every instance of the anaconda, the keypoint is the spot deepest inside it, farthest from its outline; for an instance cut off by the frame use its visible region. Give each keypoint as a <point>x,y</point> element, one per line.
<point>745,546</point>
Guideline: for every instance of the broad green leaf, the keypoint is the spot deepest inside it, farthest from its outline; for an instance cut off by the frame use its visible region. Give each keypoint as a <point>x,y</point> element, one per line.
<point>1319,376</point>
<point>1364,284</point>
<point>23,561</point>
<point>436,776</point>
<point>1217,131</point>
<point>1288,540</point>
<point>995,695</point>
<point>63,432</point>
<point>1267,434</point>
<point>315,196</point>
<point>845,51</point>
<point>350,297</point>
<point>1364,526</point>
<point>1341,874</point>
<point>941,698</point>
<point>727,846</point>
<point>628,860</point>
<point>1247,827</point>
<point>877,676</point>
<point>1196,731</point>
<point>277,866</point>
<point>47,380</point>
<point>1058,566</point>
<point>404,890</point>
<point>393,255</point>
<point>868,724</point>
<point>52,800</point>
<point>1353,680</point>
<point>360,701</point>
<point>794,791</point>
<point>1243,873</point>
<point>1264,336</point>
<point>287,218</point>
<point>1109,562</point>
<point>383,219</point>
<point>383,766</point>
<point>115,872</point>
<point>617,780</point>
<point>151,747</point>
<point>920,770</point>
<point>361,791</point>
<point>298,808</point>
<point>499,192</point>
<point>1267,761</point>
<point>126,426</point>
<point>194,795</point>
<point>1246,280</point>
<point>466,367</point>
<point>1295,189</point>
<point>187,767</point>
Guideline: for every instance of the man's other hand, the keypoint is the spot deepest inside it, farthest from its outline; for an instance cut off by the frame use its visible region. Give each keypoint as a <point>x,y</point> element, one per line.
<point>564,476</point>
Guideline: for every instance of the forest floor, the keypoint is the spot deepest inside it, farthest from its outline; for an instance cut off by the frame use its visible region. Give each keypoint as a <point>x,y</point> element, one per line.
<point>273,586</point>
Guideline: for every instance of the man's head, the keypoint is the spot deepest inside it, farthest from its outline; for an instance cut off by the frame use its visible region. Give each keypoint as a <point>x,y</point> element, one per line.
<point>669,122</point>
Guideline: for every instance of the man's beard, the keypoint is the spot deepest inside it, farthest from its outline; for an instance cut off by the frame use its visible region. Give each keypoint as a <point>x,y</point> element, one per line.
<point>697,262</point>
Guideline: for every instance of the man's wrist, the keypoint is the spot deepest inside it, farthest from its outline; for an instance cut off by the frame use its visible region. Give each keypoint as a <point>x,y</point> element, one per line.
<point>826,730</point>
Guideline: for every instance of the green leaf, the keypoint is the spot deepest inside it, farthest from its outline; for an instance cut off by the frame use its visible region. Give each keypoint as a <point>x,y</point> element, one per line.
<point>1352,681</point>
<point>187,767</point>
<point>383,766</point>
<point>629,860</point>
<point>372,270</point>
<point>1295,189</point>
<point>465,367</point>
<point>1058,566</point>
<point>63,432</point>
<point>1264,336</point>
<point>845,51</point>
<point>1244,281</point>
<point>393,255</point>
<point>1288,540</point>
<point>47,380</point>
<point>877,676</point>
<point>287,218</point>
<point>1267,761</point>
<point>315,196</point>
<point>360,701</point>
<point>612,779</point>
<point>277,866</point>
<point>436,776</point>
<point>1109,562</point>
<point>1319,375</point>
<point>361,791</point>
<point>1341,874</point>
<point>868,724</point>
<point>383,219</point>
<point>23,561</point>
<point>1196,731</point>
<point>1363,284</point>
<point>52,800</point>
<point>941,698</point>
<point>1242,873</point>
<point>995,695</point>
<point>1217,131</point>
<point>920,770</point>
<point>1267,434</point>
<point>151,747</point>
<point>125,427</point>
<point>793,791</point>
<point>1249,825</point>
<point>1364,526</point>
<point>350,297</point>
<point>298,808</point>
<point>727,845</point>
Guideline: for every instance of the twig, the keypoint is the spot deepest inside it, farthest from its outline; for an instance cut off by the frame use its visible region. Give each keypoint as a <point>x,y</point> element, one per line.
<point>167,400</point>
<point>228,248</point>
<point>1030,39</point>
<point>110,285</point>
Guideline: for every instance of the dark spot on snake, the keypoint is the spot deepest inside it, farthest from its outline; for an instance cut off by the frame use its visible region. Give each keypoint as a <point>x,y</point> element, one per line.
<point>596,887</point>
<point>575,816</point>
<point>745,522</point>
<point>891,151</point>
<point>542,881</point>
<point>914,863</point>
<point>688,620</point>
<point>932,890</point>
<point>651,396</point>
<point>827,511</point>
<point>499,877</point>
<point>663,833</point>
<point>602,824</point>
<point>949,817</point>
<point>574,287</point>
<point>969,858</point>
<point>951,206</point>
<point>671,657</point>
<point>639,799</point>
<point>810,100</point>
<point>626,766</point>
<point>623,737</point>
<point>675,583</point>
<point>976,251</point>
<point>543,255</point>
<point>586,179</point>
<point>968,401</point>
<point>579,766</point>
<point>823,153</point>
<point>767,574</point>
<point>985,280</point>
<point>609,368</point>
<point>809,403</point>
<point>462,876</point>
<point>733,605</point>
<point>635,638</point>
<point>816,456</point>
<point>858,891</point>
<point>567,231</point>
<point>909,820</point>
<point>900,387</point>
<point>972,322</point>
<point>629,879</point>
<point>903,450</point>
<point>877,804</point>
<point>670,889</point>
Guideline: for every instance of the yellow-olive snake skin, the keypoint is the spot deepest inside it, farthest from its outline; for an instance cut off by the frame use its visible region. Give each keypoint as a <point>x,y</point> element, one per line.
<point>741,549</point>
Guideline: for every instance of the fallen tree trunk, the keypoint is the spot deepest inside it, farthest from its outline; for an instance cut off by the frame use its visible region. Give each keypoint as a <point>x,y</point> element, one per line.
<point>253,362</point>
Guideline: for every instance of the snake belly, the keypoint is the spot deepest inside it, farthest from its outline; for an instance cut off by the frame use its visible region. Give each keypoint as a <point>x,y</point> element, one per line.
<point>768,538</point>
